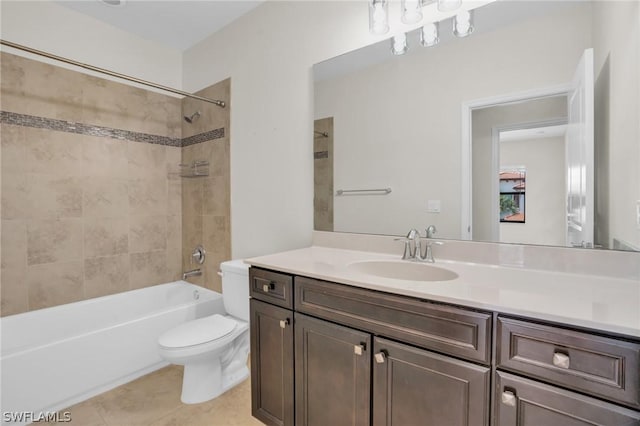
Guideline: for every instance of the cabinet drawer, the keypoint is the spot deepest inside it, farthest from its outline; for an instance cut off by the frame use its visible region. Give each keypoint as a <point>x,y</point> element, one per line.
<point>271,287</point>
<point>522,402</point>
<point>600,366</point>
<point>459,332</point>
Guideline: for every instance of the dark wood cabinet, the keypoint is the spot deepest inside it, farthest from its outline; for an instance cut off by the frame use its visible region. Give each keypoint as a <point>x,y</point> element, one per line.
<point>272,391</point>
<point>523,402</point>
<point>413,386</point>
<point>333,374</point>
<point>328,354</point>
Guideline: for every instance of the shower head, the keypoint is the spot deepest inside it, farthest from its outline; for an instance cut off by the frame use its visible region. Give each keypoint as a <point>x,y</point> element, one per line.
<point>193,118</point>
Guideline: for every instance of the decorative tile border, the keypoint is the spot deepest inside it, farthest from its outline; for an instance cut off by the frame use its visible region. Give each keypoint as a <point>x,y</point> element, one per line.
<point>203,137</point>
<point>25,120</point>
<point>320,154</point>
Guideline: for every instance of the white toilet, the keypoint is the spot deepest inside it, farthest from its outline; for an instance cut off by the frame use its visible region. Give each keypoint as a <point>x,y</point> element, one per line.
<point>213,349</point>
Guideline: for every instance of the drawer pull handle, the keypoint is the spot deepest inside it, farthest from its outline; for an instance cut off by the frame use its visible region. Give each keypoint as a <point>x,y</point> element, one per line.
<point>380,356</point>
<point>358,349</point>
<point>561,360</point>
<point>284,323</point>
<point>267,287</point>
<point>508,398</point>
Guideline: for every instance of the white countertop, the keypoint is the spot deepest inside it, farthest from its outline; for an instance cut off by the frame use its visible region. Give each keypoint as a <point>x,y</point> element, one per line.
<point>601,303</point>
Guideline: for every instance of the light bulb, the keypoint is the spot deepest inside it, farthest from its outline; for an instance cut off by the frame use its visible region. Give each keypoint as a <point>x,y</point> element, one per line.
<point>399,44</point>
<point>463,23</point>
<point>378,17</point>
<point>448,5</point>
<point>429,34</point>
<point>411,11</point>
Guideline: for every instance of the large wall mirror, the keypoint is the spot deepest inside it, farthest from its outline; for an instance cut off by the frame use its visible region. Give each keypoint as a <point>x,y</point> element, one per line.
<point>526,131</point>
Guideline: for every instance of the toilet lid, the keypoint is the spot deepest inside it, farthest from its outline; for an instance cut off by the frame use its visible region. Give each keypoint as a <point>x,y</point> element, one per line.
<point>198,331</point>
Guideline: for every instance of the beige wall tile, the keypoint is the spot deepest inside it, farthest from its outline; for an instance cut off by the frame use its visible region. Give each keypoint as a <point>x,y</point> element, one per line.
<point>216,196</point>
<point>13,146</point>
<point>55,284</point>
<point>174,197</point>
<point>53,240</point>
<point>191,232</point>
<point>13,270</point>
<point>112,104</point>
<point>13,239</point>
<point>216,234</point>
<point>174,231</point>
<point>15,198</point>
<point>54,196</point>
<point>164,115</point>
<point>192,196</point>
<point>106,275</point>
<point>147,233</point>
<point>53,152</point>
<point>146,160</point>
<point>104,157</point>
<point>147,196</point>
<point>174,263</point>
<point>106,236</point>
<point>105,197</point>
<point>148,269</point>
<point>14,297</point>
<point>36,88</point>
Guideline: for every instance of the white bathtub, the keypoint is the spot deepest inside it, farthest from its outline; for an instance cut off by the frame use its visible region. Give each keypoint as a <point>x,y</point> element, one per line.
<point>53,358</point>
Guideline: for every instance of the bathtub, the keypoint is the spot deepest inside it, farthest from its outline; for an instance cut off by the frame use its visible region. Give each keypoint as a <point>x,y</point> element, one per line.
<point>53,358</point>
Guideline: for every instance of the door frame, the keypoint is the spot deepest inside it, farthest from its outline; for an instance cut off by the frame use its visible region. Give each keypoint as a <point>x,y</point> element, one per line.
<point>466,210</point>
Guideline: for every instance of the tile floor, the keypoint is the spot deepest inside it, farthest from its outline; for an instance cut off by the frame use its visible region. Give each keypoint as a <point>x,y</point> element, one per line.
<point>154,400</point>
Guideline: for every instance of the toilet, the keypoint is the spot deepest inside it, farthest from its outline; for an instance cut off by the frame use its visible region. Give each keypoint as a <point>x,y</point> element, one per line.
<point>213,349</point>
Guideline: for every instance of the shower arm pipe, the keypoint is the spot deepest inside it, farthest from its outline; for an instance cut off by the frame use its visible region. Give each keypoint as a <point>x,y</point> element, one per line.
<point>221,104</point>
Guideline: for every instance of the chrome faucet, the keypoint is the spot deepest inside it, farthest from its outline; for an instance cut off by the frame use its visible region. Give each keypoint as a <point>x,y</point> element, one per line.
<point>412,246</point>
<point>411,251</point>
<point>191,273</point>
<point>428,252</point>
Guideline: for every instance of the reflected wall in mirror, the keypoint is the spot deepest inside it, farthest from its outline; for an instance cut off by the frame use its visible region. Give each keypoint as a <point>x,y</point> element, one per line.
<point>397,123</point>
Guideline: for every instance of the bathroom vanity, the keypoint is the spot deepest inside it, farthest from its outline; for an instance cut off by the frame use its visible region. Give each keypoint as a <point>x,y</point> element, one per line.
<point>331,345</point>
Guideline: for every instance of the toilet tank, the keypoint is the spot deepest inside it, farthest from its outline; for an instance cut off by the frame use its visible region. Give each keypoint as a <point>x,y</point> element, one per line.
<point>235,288</point>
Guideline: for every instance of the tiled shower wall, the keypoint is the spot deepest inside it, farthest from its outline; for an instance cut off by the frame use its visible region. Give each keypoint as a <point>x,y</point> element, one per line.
<point>206,217</point>
<point>91,201</point>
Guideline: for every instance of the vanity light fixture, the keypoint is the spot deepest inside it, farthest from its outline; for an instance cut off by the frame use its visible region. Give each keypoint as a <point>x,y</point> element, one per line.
<point>378,17</point>
<point>429,34</point>
<point>411,11</point>
<point>399,44</point>
<point>463,23</point>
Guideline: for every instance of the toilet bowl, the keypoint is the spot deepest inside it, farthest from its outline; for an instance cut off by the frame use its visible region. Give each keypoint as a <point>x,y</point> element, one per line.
<point>213,349</point>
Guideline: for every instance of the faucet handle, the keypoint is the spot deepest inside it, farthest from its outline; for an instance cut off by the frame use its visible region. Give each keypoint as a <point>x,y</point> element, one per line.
<point>413,234</point>
<point>407,247</point>
<point>431,229</point>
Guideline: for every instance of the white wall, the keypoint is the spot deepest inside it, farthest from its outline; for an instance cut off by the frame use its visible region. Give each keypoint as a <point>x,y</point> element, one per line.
<point>47,26</point>
<point>398,124</point>
<point>617,136</point>
<point>268,54</point>
<point>545,186</point>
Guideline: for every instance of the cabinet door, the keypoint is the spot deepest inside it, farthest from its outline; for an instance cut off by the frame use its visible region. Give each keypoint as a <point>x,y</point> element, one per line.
<point>271,364</point>
<point>522,402</point>
<point>416,387</point>
<point>333,374</point>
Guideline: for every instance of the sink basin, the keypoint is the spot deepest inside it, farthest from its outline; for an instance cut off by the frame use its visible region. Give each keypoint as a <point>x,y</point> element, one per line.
<point>408,271</point>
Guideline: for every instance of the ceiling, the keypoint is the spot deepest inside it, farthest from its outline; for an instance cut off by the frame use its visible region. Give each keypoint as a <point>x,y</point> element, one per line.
<point>178,24</point>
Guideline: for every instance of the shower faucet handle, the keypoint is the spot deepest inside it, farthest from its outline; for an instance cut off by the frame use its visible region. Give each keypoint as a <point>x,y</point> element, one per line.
<point>199,254</point>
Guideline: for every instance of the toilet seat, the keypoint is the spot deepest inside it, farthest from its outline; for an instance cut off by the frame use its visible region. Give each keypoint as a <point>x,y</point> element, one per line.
<point>198,332</point>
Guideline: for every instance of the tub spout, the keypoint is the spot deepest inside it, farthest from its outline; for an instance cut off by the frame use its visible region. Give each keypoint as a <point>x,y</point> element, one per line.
<point>191,273</point>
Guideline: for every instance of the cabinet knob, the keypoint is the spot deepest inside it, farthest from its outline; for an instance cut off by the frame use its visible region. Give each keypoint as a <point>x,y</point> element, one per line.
<point>379,357</point>
<point>508,398</point>
<point>284,323</point>
<point>561,360</point>
<point>267,287</point>
<point>358,349</point>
